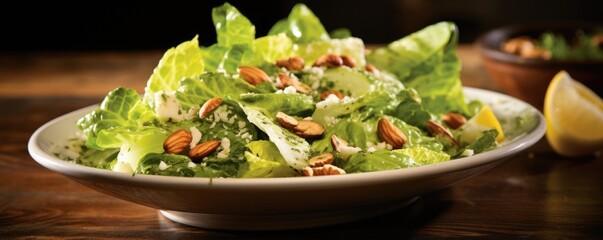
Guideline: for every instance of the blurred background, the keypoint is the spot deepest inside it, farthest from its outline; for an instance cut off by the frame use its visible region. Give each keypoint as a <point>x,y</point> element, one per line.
<point>139,25</point>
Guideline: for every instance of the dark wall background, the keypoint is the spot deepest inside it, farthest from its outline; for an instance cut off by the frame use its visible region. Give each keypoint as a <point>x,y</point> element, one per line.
<point>136,25</point>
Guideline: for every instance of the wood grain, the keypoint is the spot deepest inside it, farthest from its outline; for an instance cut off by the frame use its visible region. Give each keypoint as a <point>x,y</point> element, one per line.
<point>536,194</point>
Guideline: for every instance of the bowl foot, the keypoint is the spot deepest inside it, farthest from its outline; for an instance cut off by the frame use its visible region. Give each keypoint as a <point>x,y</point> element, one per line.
<point>283,222</point>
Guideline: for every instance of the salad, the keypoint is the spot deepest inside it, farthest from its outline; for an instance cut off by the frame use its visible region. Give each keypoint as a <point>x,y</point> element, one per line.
<point>299,101</point>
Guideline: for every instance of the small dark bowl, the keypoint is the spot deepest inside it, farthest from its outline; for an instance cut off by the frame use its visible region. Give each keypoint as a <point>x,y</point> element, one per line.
<point>528,78</point>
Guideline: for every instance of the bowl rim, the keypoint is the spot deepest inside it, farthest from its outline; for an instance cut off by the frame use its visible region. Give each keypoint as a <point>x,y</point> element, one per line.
<point>487,42</point>
<point>77,171</point>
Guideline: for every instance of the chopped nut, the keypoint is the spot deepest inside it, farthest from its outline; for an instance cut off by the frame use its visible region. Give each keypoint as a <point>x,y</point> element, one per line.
<point>369,67</point>
<point>525,46</point>
<point>286,121</point>
<point>348,61</point>
<point>326,94</point>
<point>209,106</point>
<point>454,120</point>
<point>438,130</point>
<point>338,143</point>
<point>291,64</point>
<point>253,75</point>
<point>285,81</point>
<point>321,160</point>
<point>202,150</point>
<point>329,61</point>
<point>177,141</point>
<point>391,134</point>
<point>308,129</point>
<point>327,169</point>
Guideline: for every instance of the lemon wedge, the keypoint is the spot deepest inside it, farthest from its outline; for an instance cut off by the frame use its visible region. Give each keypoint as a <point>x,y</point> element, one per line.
<point>574,117</point>
<point>482,121</point>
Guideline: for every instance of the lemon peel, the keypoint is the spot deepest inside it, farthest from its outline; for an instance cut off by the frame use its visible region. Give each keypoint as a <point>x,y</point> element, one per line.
<point>574,117</point>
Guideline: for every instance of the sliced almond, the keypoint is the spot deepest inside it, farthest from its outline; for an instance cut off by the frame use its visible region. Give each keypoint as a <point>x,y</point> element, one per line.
<point>285,81</point>
<point>202,150</point>
<point>338,143</point>
<point>286,121</point>
<point>253,75</point>
<point>329,61</point>
<point>177,141</point>
<point>454,120</point>
<point>321,160</point>
<point>348,61</point>
<point>209,106</point>
<point>391,134</point>
<point>292,63</point>
<point>326,94</point>
<point>327,169</point>
<point>438,130</point>
<point>308,129</point>
<point>369,67</point>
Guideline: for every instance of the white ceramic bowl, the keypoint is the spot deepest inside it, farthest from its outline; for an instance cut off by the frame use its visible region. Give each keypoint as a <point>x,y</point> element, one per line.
<point>287,203</point>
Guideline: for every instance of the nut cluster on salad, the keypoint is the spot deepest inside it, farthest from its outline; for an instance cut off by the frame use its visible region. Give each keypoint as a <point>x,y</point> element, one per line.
<point>299,101</point>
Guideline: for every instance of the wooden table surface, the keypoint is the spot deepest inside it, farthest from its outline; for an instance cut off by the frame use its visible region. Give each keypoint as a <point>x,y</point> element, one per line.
<point>536,194</point>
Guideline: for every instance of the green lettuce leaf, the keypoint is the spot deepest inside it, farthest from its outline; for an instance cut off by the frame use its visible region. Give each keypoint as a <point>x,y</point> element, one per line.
<point>423,156</point>
<point>195,91</point>
<point>271,103</point>
<point>134,143</point>
<point>294,149</point>
<point>185,60</point>
<point>120,108</point>
<point>232,27</point>
<point>264,160</point>
<point>302,26</point>
<point>379,160</point>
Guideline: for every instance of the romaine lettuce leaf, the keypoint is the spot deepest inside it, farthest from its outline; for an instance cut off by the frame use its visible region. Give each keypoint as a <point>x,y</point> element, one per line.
<point>185,60</point>
<point>232,27</point>
<point>195,91</point>
<point>134,143</point>
<point>264,160</point>
<point>270,103</point>
<point>302,26</point>
<point>379,160</point>
<point>294,149</point>
<point>120,108</point>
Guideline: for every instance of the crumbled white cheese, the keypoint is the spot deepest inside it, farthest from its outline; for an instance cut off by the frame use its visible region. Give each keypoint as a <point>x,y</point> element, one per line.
<point>371,147</point>
<point>242,125</point>
<point>468,153</point>
<point>290,90</point>
<point>163,166</point>
<point>167,108</point>
<point>196,136</point>
<point>225,144</point>
<point>330,100</point>
<point>191,164</point>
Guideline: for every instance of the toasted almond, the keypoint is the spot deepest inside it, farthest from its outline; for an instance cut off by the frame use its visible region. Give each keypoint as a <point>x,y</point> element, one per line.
<point>308,129</point>
<point>292,63</point>
<point>286,121</point>
<point>391,134</point>
<point>371,68</point>
<point>321,160</point>
<point>209,106</point>
<point>202,150</point>
<point>338,143</point>
<point>285,81</point>
<point>454,120</point>
<point>177,141</point>
<point>348,61</point>
<point>327,169</point>
<point>329,61</point>
<point>253,75</point>
<point>438,130</point>
<point>326,94</point>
